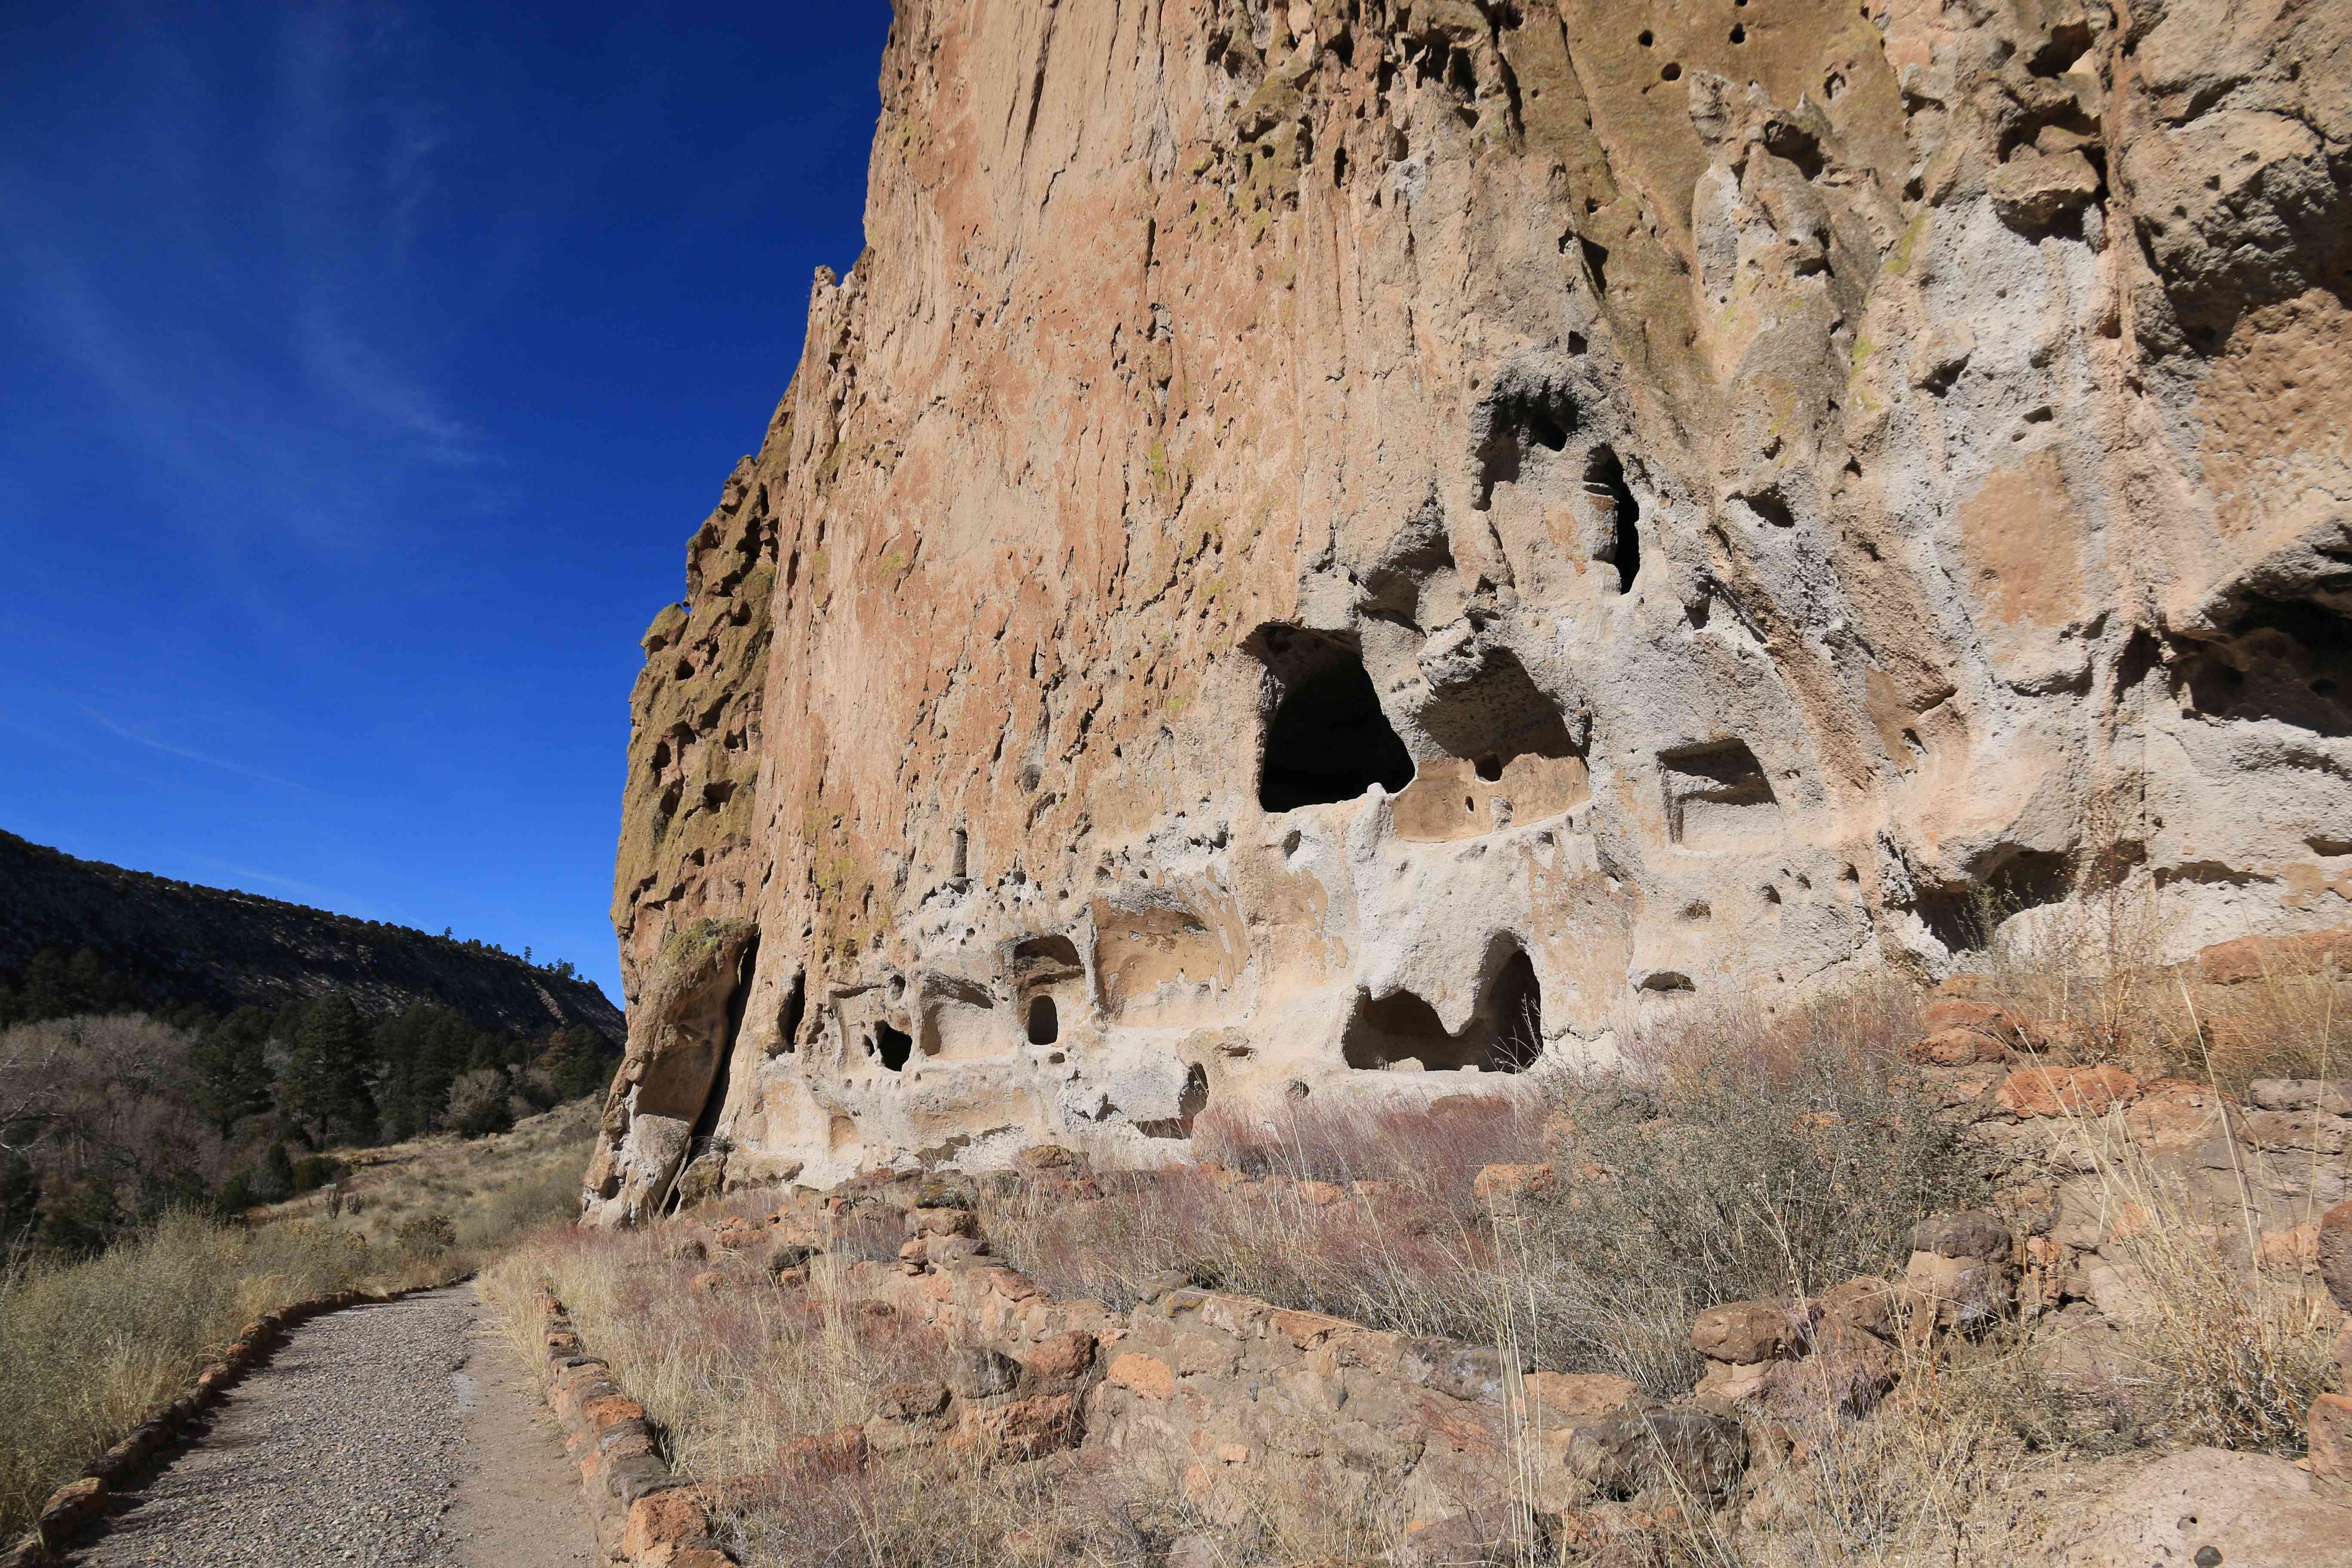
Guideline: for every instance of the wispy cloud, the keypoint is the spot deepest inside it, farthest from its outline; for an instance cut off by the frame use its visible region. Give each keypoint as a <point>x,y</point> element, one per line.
<point>151,743</point>
<point>268,333</point>
<point>324,898</point>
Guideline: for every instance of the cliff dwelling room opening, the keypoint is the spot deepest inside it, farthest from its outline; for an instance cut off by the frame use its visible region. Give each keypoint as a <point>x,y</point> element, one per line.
<point>1328,740</point>
<point>1045,1021</point>
<point>1517,1008</point>
<point>893,1045</point>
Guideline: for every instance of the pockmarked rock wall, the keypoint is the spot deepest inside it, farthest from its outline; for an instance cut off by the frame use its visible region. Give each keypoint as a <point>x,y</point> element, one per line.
<point>1325,539</point>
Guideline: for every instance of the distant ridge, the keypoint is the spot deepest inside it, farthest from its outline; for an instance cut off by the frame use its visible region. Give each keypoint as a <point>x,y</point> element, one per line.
<point>184,943</point>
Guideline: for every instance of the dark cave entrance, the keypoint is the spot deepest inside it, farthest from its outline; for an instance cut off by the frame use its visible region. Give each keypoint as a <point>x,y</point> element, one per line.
<point>1604,481</point>
<point>1328,740</point>
<point>1505,1034</point>
<point>893,1045</point>
<point>1045,1021</point>
<point>1517,1010</point>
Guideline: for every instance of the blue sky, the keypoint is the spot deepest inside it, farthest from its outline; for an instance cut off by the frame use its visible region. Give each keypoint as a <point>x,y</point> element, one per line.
<point>364,369</point>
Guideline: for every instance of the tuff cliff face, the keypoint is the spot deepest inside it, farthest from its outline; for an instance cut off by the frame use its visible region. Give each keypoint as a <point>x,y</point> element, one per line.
<point>1324,540</point>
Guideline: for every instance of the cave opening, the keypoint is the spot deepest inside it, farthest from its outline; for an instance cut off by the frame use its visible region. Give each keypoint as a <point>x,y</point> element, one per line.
<point>794,1010</point>
<point>1045,1021</point>
<point>1604,481</point>
<point>1387,1031</point>
<point>2285,660</point>
<point>893,1045</point>
<point>1517,1008</point>
<point>1328,740</point>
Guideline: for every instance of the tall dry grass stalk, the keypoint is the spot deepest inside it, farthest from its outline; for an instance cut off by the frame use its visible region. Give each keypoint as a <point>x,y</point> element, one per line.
<point>2216,1349</point>
<point>94,1348</point>
<point>2104,974</point>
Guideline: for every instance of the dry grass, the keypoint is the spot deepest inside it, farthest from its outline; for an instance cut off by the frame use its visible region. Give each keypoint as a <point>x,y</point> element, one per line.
<point>2096,975</point>
<point>732,1376</point>
<point>486,1189</point>
<point>1747,1155</point>
<point>93,1348</point>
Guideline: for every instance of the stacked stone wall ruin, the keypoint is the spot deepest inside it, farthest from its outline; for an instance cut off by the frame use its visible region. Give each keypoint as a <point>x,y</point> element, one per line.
<point>1363,546</point>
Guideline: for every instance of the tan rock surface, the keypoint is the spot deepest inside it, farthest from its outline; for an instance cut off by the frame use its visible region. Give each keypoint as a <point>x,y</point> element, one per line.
<point>1315,556</point>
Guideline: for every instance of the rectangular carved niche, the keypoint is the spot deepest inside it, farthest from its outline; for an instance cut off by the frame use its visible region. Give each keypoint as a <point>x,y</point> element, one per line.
<point>1717,798</point>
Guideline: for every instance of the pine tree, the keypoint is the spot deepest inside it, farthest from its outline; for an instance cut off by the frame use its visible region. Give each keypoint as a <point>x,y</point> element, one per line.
<point>325,1089</point>
<point>232,1068</point>
<point>274,1182</point>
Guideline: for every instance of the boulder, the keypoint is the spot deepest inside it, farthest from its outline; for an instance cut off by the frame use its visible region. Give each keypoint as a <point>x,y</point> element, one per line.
<point>1868,1304</point>
<point>1968,1294</point>
<point>2066,1092</point>
<point>1693,1452</point>
<point>1060,1359</point>
<point>1993,1020</point>
<point>1967,1232</point>
<point>2329,1429</point>
<point>2030,193</point>
<point>1743,1332</point>
<point>1956,1048</point>
<point>2334,1253</point>
<point>1557,1399</point>
<point>979,1373</point>
<point>2330,1096</point>
<point>2250,958</point>
<point>2208,1506</point>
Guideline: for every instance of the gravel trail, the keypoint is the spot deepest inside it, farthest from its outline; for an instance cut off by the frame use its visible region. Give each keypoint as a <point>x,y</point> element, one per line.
<point>348,1447</point>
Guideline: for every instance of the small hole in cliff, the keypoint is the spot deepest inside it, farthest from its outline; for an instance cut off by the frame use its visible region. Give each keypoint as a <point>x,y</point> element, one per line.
<point>1518,425</point>
<point>1740,35</point>
<point>1490,769</point>
<point>2287,661</point>
<point>1646,38</point>
<point>1051,951</point>
<point>1672,73</point>
<point>1045,1022</point>
<point>795,1008</point>
<point>1328,740</point>
<point>1769,506</point>
<point>1604,480</point>
<point>893,1045</point>
<point>1596,261</point>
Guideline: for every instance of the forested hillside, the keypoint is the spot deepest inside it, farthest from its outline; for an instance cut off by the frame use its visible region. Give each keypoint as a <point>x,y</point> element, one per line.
<point>163,946</point>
